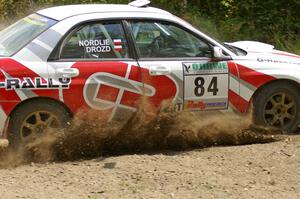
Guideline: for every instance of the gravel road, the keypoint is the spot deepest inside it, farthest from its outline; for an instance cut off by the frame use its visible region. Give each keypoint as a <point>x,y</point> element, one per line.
<point>251,171</point>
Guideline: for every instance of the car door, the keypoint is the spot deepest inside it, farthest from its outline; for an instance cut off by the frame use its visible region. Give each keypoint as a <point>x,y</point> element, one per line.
<point>179,64</point>
<point>94,61</point>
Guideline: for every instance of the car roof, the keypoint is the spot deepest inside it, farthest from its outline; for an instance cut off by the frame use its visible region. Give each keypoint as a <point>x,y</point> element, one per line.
<point>61,12</point>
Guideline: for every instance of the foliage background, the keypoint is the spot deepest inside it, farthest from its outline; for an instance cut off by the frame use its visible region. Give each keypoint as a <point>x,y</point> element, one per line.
<point>272,21</point>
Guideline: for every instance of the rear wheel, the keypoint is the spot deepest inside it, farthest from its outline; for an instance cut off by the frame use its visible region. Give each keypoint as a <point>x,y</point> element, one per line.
<point>278,105</point>
<point>30,120</point>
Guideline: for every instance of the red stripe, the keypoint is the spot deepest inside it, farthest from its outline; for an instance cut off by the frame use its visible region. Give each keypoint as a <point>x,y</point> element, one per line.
<point>238,102</point>
<point>253,77</point>
<point>8,106</point>
<point>288,55</point>
<point>233,69</point>
<point>16,69</point>
<point>117,43</point>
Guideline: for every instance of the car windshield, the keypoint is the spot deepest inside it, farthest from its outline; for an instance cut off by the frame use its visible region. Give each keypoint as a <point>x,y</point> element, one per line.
<point>16,36</point>
<point>235,50</point>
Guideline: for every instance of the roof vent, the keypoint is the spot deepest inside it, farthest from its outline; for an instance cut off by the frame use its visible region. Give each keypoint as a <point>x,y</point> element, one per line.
<point>140,3</point>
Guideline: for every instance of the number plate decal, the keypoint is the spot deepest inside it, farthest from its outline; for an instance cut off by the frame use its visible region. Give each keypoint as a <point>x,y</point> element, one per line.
<point>205,85</point>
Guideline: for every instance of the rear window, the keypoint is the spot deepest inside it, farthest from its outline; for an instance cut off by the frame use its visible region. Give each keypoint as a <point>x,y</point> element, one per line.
<point>96,41</point>
<point>16,36</point>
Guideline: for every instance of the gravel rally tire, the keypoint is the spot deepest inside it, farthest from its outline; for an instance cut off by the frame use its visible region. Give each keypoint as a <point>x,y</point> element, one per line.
<point>30,120</point>
<point>278,105</point>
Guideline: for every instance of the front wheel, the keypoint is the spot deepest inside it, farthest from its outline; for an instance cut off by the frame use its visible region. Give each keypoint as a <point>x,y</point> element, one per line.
<point>278,105</point>
<point>30,120</point>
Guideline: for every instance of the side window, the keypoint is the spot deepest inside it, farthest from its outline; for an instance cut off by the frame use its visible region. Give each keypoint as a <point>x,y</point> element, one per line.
<point>161,40</point>
<point>97,40</point>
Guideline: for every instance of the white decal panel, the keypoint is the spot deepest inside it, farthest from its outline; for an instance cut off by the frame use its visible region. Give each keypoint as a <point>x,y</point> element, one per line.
<point>206,85</point>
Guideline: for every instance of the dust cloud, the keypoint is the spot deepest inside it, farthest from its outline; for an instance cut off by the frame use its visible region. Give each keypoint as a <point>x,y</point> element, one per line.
<point>148,130</point>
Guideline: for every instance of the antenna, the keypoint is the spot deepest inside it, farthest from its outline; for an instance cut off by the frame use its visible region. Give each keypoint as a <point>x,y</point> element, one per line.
<point>140,3</point>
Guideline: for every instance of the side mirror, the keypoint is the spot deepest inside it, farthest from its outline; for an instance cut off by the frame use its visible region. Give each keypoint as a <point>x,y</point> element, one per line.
<point>218,54</point>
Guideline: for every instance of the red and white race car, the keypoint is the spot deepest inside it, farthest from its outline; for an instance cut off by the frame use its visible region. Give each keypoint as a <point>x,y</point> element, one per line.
<point>105,57</point>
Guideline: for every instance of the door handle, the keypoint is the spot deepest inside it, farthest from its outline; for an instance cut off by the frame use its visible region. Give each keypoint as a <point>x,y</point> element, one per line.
<point>159,70</point>
<point>67,72</point>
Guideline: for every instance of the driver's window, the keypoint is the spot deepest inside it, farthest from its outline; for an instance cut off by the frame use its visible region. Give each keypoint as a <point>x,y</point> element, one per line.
<point>163,40</point>
<point>96,41</point>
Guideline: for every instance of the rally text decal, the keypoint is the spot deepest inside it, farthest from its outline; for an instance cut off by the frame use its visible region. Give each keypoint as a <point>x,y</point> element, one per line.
<point>36,83</point>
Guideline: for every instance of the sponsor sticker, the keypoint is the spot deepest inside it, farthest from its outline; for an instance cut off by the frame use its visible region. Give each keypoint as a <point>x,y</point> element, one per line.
<point>179,107</point>
<point>216,104</point>
<point>206,85</point>
<point>36,83</point>
<point>38,20</point>
<point>205,68</point>
<point>277,61</point>
<point>195,105</point>
<point>101,45</point>
<point>205,105</point>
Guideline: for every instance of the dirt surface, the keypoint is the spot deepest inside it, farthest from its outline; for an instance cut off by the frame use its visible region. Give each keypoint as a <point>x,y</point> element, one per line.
<point>177,157</point>
<point>252,171</point>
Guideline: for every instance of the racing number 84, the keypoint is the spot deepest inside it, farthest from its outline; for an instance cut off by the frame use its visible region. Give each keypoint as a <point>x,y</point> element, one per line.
<point>200,89</point>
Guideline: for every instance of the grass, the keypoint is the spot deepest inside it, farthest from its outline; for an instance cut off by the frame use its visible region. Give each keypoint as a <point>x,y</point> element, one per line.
<point>227,32</point>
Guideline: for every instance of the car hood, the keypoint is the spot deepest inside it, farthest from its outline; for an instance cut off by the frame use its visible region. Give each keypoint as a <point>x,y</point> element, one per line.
<point>252,46</point>
<point>266,52</point>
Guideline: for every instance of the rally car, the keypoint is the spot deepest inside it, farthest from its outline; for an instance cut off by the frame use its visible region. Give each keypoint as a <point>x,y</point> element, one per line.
<point>60,60</point>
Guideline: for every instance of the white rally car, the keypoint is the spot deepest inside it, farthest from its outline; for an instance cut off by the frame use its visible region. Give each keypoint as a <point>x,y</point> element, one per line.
<point>105,57</point>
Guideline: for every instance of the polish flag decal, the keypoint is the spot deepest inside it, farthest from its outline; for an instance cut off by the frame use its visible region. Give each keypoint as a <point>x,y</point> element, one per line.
<point>118,45</point>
